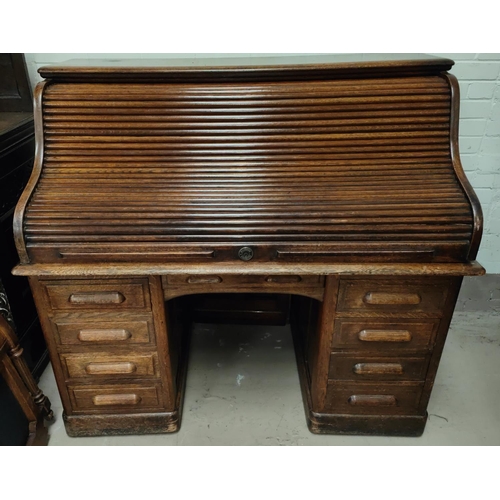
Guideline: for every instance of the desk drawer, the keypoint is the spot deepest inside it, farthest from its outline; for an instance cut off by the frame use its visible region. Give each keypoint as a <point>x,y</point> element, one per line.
<point>392,295</point>
<point>76,329</point>
<point>99,295</point>
<point>360,367</point>
<point>269,280</point>
<point>110,366</point>
<point>374,334</point>
<point>129,397</point>
<point>374,398</point>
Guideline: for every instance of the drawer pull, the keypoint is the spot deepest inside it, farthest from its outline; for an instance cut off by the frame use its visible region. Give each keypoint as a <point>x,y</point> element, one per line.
<point>384,336</point>
<point>97,298</point>
<point>110,368</point>
<point>378,369</point>
<point>103,335</point>
<point>283,279</point>
<point>204,279</point>
<point>395,299</point>
<point>116,399</point>
<point>372,400</point>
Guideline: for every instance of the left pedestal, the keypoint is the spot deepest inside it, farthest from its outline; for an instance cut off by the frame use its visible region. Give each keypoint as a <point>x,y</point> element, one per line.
<point>117,353</point>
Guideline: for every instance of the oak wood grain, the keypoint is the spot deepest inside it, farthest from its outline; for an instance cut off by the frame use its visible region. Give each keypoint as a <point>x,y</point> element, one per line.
<point>133,269</point>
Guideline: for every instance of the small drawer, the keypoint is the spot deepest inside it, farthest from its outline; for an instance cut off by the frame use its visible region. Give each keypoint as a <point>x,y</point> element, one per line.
<point>373,399</point>
<point>96,365</point>
<point>99,294</point>
<point>269,280</point>
<point>388,295</point>
<point>378,334</point>
<point>104,330</point>
<point>358,367</point>
<point>106,399</point>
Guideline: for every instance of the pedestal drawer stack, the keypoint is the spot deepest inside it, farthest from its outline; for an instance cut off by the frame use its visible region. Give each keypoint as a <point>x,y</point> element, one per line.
<point>386,332</point>
<point>104,346</point>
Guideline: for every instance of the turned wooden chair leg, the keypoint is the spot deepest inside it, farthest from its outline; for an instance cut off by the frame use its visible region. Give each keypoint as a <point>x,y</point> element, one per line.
<point>15,353</point>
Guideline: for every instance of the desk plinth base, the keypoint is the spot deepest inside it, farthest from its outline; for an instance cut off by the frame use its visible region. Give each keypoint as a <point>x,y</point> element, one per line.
<point>123,424</point>
<point>366,425</point>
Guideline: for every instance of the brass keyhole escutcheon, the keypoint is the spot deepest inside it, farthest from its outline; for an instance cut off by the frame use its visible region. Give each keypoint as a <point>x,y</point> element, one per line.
<point>245,253</point>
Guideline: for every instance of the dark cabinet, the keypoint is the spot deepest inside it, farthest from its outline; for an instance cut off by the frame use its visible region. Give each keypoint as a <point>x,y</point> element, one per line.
<point>17,148</point>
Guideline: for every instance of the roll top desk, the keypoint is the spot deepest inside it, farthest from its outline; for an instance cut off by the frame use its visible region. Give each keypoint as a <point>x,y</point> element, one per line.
<point>334,179</point>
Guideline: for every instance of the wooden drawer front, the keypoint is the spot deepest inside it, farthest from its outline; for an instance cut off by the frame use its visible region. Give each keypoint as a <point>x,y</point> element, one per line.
<point>377,335</point>
<point>359,367</point>
<point>117,397</point>
<point>392,296</point>
<point>110,365</point>
<point>232,280</point>
<point>99,294</point>
<point>105,332</point>
<point>373,399</point>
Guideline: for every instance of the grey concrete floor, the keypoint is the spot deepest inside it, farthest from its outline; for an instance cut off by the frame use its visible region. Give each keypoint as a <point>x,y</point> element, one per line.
<point>243,389</point>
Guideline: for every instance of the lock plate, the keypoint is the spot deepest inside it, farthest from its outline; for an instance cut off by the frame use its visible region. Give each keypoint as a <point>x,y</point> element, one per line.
<point>245,253</point>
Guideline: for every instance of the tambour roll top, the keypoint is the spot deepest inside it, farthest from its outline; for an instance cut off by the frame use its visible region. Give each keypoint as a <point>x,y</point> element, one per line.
<point>333,161</point>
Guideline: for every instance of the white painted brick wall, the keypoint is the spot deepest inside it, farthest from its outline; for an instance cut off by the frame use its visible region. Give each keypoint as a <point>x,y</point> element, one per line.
<point>479,79</point>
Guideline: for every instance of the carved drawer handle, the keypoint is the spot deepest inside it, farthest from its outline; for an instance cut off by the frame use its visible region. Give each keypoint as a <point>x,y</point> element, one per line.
<point>378,369</point>
<point>97,298</point>
<point>116,399</point>
<point>111,368</point>
<point>395,299</point>
<point>372,400</point>
<point>283,279</point>
<point>204,279</point>
<point>384,336</point>
<point>103,335</point>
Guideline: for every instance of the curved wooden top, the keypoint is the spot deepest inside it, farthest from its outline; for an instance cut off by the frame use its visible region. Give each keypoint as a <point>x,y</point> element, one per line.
<point>347,167</point>
<point>246,68</point>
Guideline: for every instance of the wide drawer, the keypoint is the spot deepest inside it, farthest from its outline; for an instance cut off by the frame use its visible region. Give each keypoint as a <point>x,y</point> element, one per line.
<point>392,295</point>
<point>249,280</point>
<point>373,398</point>
<point>376,334</point>
<point>106,399</point>
<point>99,294</point>
<point>361,367</point>
<point>76,329</point>
<point>111,366</point>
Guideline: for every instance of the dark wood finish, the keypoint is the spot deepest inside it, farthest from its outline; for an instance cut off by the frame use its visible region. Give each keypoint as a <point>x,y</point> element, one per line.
<point>102,329</point>
<point>326,66</point>
<point>373,296</point>
<point>15,89</point>
<point>95,366</point>
<point>238,308</point>
<point>116,269</point>
<point>157,189</point>
<point>362,367</point>
<point>375,333</point>
<point>114,295</point>
<point>377,399</point>
<point>33,403</point>
<point>110,398</point>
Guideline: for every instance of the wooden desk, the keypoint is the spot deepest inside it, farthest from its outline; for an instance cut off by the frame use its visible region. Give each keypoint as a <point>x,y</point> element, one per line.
<point>336,181</point>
